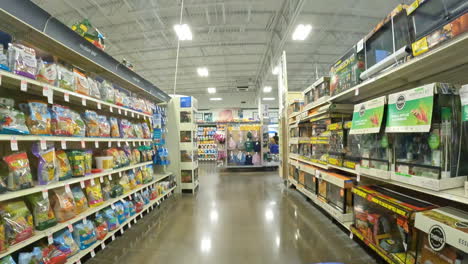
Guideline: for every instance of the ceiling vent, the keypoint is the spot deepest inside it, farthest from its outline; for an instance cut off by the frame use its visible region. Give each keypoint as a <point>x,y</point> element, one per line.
<point>243,88</point>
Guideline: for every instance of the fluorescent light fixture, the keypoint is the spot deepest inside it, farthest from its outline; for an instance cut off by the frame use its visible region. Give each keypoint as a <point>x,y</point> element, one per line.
<point>216,99</point>
<point>275,70</point>
<point>205,244</point>
<point>268,98</point>
<point>267,89</point>
<point>202,71</point>
<point>301,32</point>
<point>211,90</point>
<point>183,32</point>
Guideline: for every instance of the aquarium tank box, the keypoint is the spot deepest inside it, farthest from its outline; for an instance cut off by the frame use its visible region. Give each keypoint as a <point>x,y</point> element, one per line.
<point>344,74</point>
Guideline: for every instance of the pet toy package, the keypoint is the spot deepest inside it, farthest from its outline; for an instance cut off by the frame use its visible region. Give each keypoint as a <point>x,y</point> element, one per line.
<point>114,127</point>
<point>65,78</point>
<point>81,82</point>
<point>111,219</point>
<point>94,193</point>
<point>62,167</point>
<point>61,121</point>
<point>101,226</point>
<point>92,123</point>
<point>77,162</point>
<point>47,72</point>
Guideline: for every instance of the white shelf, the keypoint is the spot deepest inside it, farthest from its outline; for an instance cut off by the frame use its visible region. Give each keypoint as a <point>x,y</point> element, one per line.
<point>50,231</point>
<point>40,188</point>
<point>323,166</point>
<point>139,141</point>
<point>343,169</point>
<point>13,81</point>
<point>98,243</point>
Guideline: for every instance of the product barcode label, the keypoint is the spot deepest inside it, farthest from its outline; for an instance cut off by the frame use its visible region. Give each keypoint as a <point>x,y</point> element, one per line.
<point>66,97</point>
<point>83,144</point>
<point>45,194</point>
<point>111,109</point>
<point>110,177</point>
<point>113,237</point>
<point>101,179</point>
<point>82,184</point>
<point>99,107</point>
<point>24,86</point>
<point>50,239</point>
<point>83,101</point>
<point>64,144</point>
<point>14,144</point>
<point>67,188</point>
<point>43,144</point>
<point>103,246</point>
<point>96,144</point>
<point>70,228</point>
<point>93,254</point>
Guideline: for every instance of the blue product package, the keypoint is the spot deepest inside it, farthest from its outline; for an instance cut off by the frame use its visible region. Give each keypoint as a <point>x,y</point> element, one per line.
<point>64,242</point>
<point>7,260</point>
<point>84,234</point>
<point>120,212</point>
<point>185,102</point>
<point>111,219</point>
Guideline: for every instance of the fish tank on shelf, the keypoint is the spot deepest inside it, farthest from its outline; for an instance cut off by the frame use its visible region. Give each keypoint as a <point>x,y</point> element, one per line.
<point>352,156</point>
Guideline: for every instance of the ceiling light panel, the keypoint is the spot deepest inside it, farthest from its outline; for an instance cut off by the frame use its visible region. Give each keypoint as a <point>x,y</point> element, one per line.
<point>216,99</point>
<point>267,89</point>
<point>268,98</point>
<point>183,31</point>
<point>211,90</point>
<point>301,32</point>
<point>202,72</point>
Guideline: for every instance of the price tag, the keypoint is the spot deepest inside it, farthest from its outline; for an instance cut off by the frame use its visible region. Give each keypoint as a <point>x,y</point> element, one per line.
<point>82,184</point>
<point>43,144</point>
<point>83,144</point>
<point>110,177</point>
<point>24,86</point>
<point>67,188</point>
<point>99,107</point>
<point>83,101</point>
<point>118,143</point>
<point>158,202</point>
<point>126,143</point>
<point>133,143</point>
<point>50,239</point>
<point>125,112</point>
<point>64,144</point>
<point>130,197</point>
<point>147,210</point>
<point>93,254</point>
<point>70,228</point>
<point>152,206</point>
<point>111,109</point>
<point>351,235</point>
<point>358,177</point>
<point>356,92</point>
<point>120,174</point>
<point>45,91</point>
<point>134,220</point>
<point>103,246</point>
<point>96,144</point>
<point>66,97</point>
<point>45,194</point>
<point>78,262</point>
<point>121,231</point>
<point>50,97</point>
<point>0,80</point>
<point>119,111</point>
<point>14,144</point>
<point>101,179</point>
<point>113,206</point>
<point>113,237</point>
<point>92,182</point>
<point>133,114</point>
<point>109,144</point>
<point>85,221</point>
<point>129,225</point>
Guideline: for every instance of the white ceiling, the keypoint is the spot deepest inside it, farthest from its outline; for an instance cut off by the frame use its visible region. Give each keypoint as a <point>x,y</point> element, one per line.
<point>237,40</point>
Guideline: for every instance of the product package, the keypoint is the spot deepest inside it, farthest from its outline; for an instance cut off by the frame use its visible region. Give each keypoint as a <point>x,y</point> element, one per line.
<point>88,161</point>
<point>94,193</point>
<point>47,72</point>
<point>111,219</point>
<point>12,121</point>
<point>101,226</point>
<point>38,118</point>
<point>107,92</point>
<point>46,164</point>
<point>64,242</point>
<point>345,73</point>
<point>77,162</point>
<point>114,127</point>
<point>81,82</point>
<point>104,126</point>
<point>42,212</point>
<point>92,123</point>
<point>94,88</point>
<point>79,126</point>
<point>63,204</point>
<point>30,257</point>
<point>146,130</point>
<point>19,173</point>
<point>7,260</point>
<point>52,255</point>
<point>65,78</point>
<point>19,224</point>
<point>22,60</point>
<point>352,155</point>
<point>61,121</point>
<point>84,234</point>
<point>81,203</point>
<point>62,168</point>
<point>126,129</point>
<point>120,212</point>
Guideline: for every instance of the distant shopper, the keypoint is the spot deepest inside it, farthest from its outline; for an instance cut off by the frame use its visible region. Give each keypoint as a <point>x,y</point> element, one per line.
<point>276,138</point>
<point>274,149</point>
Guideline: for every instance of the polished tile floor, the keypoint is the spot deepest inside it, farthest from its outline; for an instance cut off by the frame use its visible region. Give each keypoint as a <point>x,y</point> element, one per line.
<point>239,218</point>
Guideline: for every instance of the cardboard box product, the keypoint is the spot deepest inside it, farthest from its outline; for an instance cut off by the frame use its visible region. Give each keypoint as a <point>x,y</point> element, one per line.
<point>344,74</point>
<point>385,219</point>
<point>447,20</point>
<point>443,236</point>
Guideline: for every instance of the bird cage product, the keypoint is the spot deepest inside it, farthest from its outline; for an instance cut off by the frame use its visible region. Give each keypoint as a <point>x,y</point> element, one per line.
<point>425,123</point>
<point>443,236</point>
<point>336,144</point>
<point>436,21</point>
<point>388,43</point>
<point>384,220</point>
<point>344,74</point>
<point>351,155</point>
<point>373,144</point>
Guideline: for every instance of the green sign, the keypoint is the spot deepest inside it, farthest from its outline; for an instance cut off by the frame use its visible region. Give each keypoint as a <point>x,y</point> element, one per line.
<point>411,110</point>
<point>464,101</point>
<point>367,116</point>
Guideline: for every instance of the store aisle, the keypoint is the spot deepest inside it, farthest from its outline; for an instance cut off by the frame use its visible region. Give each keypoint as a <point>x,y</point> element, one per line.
<point>237,217</point>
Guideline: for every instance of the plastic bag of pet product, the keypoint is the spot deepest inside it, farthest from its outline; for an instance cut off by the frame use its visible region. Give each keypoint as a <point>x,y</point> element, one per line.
<point>104,126</point>
<point>125,183</point>
<point>138,131</point>
<point>63,204</point>
<point>146,130</point>
<point>46,164</point>
<point>119,210</point>
<point>94,88</point>
<point>19,173</point>
<point>101,226</point>
<point>146,196</point>
<point>88,161</point>
<point>139,203</point>
<point>3,239</point>
<point>61,121</point>
<point>38,117</point>
<point>84,234</point>
<point>131,207</point>
<point>114,127</point>
<point>124,159</point>
<point>131,180</point>
<point>113,152</point>
<point>92,125</point>
<point>126,205</point>
<point>77,162</point>
<point>116,189</point>
<point>42,212</point>
<point>111,219</point>
<point>81,203</point>
<point>64,242</point>
<point>94,193</point>
<point>7,260</point>
<point>79,126</point>
<point>107,92</point>
<point>81,82</point>
<point>18,221</point>
<point>22,60</point>
<point>62,168</point>
<point>65,78</point>
<point>106,189</point>
<point>12,121</point>
<point>136,155</point>
<point>118,100</point>
<point>47,72</point>
<point>30,257</point>
<point>126,129</point>
<point>51,255</point>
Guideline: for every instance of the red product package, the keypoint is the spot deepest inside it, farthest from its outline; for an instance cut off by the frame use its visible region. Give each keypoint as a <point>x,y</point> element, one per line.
<point>51,255</point>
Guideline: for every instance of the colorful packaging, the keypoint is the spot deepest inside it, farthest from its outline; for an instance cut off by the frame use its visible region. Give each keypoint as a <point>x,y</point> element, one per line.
<point>104,126</point>
<point>46,164</point>
<point>7,260</point>
<point>62,168</point>
<point>79,127</point>
<point>84,234</point>
<point>120,212</point>
<point>138,131</point>
<point>19,172</point>
<point>132,208</point>
<point>88,161</point>
<point>19,224</point>
<point>107,92</point>
<point>51,255</point>
<point>3,238</point>
<point>125,183</point>
<point>64,242</point>
<point>118,100</point>
<point>146,196</point>
<point>94,88</point>
<point>126,129</point>
<point>81,82</point>
<point>146,130</point>
<point>30,257</point>
<point>42,212</point>
<point>114,127</point>
<point>115,154</point>
<point>139,177</point>
<point>101,226</point>
<point>63,204</point>
<point>12,121</point>
<point>77,162</point>
<point>124,159</point>
<point>139,203</point>
<point>136,156</point>
<point>106,189</point>
<point>38,117</point>
<point>92,125</point>
<point>126,208</point>
<point>47,72</point>
<point>65,78</point>
<point>61,121</point>
<point>94,193</point>
<point>132,180</point>
<point>81,203</point>
<point>111,219</point>
<point>116,189</point>
<point>22,60</point>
